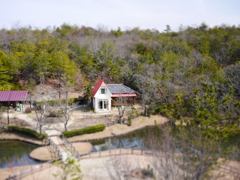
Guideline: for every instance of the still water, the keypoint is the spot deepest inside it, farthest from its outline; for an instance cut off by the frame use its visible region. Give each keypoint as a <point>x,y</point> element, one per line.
<point>133,140</point>
<point>15,153</point>
<point>140,139</point>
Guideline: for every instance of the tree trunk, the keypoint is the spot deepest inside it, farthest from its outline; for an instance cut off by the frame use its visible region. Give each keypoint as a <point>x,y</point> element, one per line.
<point>40,128</point>
<point>145,110</point>
<point>121,110</point>
<point>65,126</point>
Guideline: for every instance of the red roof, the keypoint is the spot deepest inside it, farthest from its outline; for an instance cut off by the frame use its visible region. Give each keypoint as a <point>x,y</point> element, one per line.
<point>13,95</point>
<point>99,84</point>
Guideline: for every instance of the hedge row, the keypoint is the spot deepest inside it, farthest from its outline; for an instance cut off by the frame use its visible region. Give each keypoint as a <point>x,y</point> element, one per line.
<point>26,131</point>
<point>87,130</point>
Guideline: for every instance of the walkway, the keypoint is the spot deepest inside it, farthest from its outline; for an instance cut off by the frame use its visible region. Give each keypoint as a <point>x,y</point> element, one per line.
<point>228,167</point>
<point>62,145</point>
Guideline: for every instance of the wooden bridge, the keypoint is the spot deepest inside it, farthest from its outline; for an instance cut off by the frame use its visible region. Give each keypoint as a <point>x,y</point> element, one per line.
<point>62,145</point>
<point>64,148</point>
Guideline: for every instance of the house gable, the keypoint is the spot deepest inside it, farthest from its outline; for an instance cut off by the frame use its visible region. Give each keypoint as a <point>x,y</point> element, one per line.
<point>101,90</point>
<point>101,97</point>
<point>99,84</point>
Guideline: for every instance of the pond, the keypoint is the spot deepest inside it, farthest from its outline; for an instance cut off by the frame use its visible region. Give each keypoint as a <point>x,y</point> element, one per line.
<point>133,140</point>
<point>15,153</point>
<point>139,140</point>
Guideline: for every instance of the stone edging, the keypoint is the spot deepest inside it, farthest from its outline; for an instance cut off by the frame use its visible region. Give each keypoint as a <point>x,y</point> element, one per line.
<point>22,140</point>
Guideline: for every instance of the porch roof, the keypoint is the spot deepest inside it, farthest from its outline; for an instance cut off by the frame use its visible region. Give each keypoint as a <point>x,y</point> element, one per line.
<point>123,95</point>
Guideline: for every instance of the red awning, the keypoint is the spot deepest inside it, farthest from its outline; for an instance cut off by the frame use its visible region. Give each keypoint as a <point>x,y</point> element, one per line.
<point>13,95</point>
<point>123,95</point>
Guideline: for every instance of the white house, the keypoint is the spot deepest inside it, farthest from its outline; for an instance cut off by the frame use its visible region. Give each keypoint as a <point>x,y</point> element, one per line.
<point>103,95</point>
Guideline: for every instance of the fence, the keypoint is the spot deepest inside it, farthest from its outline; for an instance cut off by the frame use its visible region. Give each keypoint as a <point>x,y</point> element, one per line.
<point>230,169</point>
<point>3,126</point>
<point>72,149</point>
<point>55,147</point>
<point>122,151</point>
<point>28,171</point>
<point>111,152</point>
<point>115,152</point>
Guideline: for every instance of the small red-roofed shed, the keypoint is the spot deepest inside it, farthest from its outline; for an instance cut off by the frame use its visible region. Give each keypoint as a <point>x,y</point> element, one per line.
<point>106,95</point>
<point>12,98</point>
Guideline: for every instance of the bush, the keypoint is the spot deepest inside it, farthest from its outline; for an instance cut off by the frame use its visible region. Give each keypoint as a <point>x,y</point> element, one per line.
<point>87,130</point>
<point>130,122</point>
<point>72,100</point>
<point>28,110</point>
<point>27,131</point>
<point>57,113</point>
<point>3,108</point>
<point>50,102</point>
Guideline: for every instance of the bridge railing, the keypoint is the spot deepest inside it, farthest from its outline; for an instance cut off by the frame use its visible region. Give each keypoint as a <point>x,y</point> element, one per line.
<point>72,148</point>
<point>55,147</point>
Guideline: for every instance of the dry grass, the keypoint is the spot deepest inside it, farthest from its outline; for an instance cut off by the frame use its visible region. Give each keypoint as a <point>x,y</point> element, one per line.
<point>118,129</point>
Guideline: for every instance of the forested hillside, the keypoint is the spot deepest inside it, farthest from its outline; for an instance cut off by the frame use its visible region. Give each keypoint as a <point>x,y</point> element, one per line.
<point>167,68</point>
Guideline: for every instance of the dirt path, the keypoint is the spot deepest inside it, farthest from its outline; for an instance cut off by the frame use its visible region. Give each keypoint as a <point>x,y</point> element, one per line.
<point>105,168</point>
<point>119,129</point>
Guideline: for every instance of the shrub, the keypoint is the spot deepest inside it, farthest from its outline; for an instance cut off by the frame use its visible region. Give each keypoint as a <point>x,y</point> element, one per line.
<point>28,110</point>
<point>27,131</point>
<point>87,130</point>
<point>130,122</point>
<point>57,113</point>
<point>50,102</point>
<point>133,114</point>
<point>72,100</point>
<point>3,108</point>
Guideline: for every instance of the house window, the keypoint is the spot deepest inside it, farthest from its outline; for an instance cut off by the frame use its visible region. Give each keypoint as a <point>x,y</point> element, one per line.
<point>103,91</point>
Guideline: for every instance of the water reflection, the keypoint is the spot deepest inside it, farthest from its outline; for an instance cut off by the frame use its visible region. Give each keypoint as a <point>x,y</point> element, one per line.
<point>141,139</point>
<point>132,140</point>
<point>14,153</point>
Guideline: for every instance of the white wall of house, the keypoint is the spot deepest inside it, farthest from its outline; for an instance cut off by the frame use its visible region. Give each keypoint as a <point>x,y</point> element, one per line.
<point>102,100</point>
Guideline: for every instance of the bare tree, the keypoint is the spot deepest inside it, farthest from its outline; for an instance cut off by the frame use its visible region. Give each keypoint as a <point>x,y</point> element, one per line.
<point>64,106</point>
<point>120,103</point>
<point>66,112</point>
<point>164,160</point>
<point>40,111</point>
<point>103,51</point>
<point>44,107</point>
<point>119,167</point>
<point>186,155</point>
<point>147,86</point>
